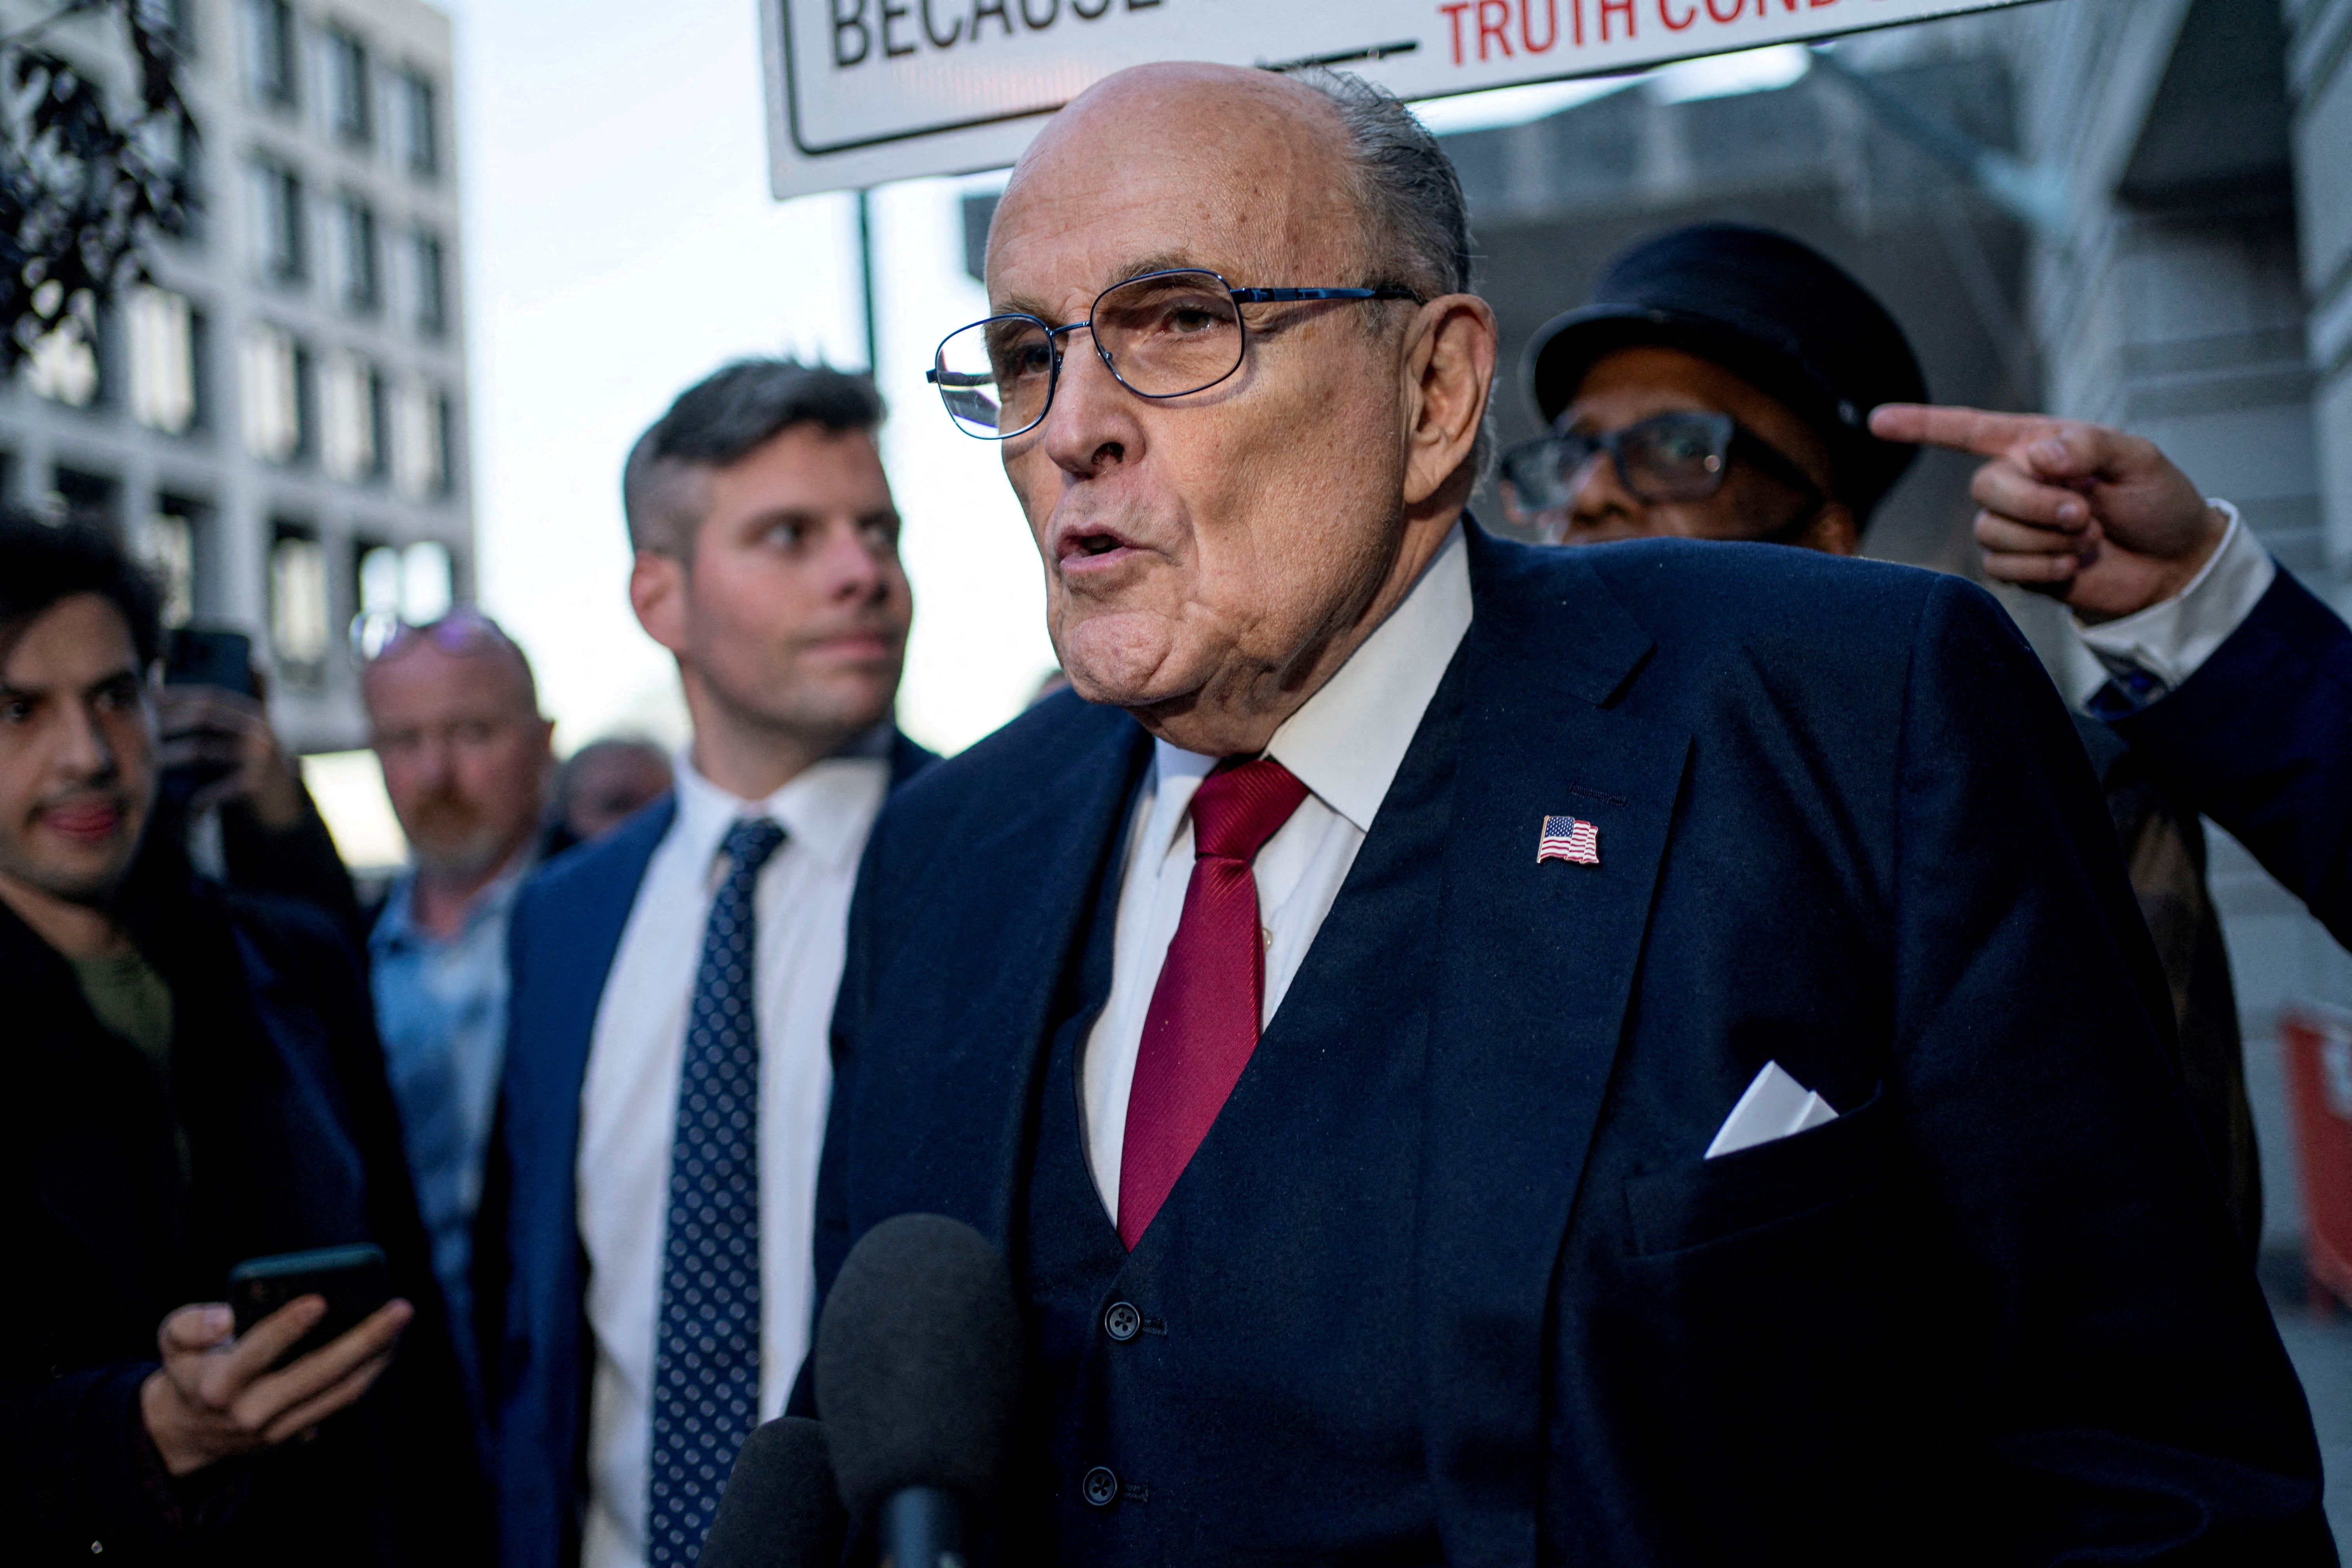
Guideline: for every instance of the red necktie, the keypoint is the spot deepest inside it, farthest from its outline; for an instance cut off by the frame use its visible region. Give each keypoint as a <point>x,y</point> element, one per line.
<point>1204,1013</point>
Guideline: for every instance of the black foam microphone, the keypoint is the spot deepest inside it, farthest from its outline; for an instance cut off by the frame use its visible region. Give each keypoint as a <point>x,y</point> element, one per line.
<point>780,1507</point>
<point>917,1378</point>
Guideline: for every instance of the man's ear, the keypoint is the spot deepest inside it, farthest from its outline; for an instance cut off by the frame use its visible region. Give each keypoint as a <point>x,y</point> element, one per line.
<point>1450,374</point>
<point>658,593</point>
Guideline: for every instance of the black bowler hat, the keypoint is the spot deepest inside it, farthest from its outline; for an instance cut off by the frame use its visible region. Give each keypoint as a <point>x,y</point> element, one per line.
<point>1777,314</point>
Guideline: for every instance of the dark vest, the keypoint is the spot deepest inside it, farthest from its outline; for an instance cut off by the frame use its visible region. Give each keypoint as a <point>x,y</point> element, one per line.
<point>1194,1393</point>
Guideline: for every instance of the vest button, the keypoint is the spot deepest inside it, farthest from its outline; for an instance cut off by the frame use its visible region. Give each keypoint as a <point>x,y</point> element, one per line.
<point>1101,1486</point>
<point>1122,1322</point>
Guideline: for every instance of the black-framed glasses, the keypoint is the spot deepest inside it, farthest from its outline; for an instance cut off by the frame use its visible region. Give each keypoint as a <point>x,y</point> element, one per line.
<point>1679,457</point>
<point>1163,334</point>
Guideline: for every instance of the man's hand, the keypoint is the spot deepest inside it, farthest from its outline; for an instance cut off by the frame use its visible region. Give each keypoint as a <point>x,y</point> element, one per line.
<point>217,1399</point>
<point>229,733</point>
<point>2087,515</point>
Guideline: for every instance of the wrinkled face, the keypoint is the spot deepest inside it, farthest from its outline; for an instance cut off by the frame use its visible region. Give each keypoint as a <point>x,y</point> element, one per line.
<point>790,616</point>
<point>464,752</point>
<point>1204,548</point>
<point>77,752</point>
<point>1634,383</point>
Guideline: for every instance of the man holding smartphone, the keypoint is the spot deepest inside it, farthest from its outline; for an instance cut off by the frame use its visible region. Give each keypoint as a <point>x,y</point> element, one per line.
<point>194,1084</point>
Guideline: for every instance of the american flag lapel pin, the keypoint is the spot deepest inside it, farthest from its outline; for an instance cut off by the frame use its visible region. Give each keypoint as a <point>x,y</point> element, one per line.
<point>1569,838</point>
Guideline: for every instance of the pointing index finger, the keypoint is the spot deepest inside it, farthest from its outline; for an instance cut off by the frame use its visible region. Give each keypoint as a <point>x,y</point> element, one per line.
<point>1974,430</point>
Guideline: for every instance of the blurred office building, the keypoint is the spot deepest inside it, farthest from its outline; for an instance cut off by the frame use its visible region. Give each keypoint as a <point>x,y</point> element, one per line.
<point>277,422</point>
<point>2131,211</point>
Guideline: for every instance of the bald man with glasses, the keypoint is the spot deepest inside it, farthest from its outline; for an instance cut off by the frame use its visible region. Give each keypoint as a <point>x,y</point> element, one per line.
<point>1483,1053</point>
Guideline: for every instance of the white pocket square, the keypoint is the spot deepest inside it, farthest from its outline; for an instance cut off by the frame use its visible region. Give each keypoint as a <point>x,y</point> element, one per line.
<point>1776,1106</point>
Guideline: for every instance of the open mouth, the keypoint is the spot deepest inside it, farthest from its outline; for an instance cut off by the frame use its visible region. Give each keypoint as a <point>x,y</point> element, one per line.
<point>1082,545</point>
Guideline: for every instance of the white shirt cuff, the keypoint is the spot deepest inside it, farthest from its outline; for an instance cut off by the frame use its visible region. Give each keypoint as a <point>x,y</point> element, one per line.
<point>2170,642</point>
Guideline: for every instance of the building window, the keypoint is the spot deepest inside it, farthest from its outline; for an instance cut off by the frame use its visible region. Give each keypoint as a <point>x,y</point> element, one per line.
<point>429,284</point>
<point>420,142</point>
<point>170,18</point>
<point>269,54</point>
<point>64,366</point>
<point>300,617</point>
<point>273,377</point>
<point>420,441</point>
<point>351,417</point>
<point>358,282</point>
<point>350,114</point>
<point>274,220</point>
<point>162,331</point>
<point>170,544</point>
<point>415,585</point>
<point>93,500</point>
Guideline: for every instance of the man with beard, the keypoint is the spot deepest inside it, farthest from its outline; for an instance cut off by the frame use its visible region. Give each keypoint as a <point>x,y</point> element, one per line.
<point>192,1082</point>
<point>453,716</point>
<point>647,1228</point>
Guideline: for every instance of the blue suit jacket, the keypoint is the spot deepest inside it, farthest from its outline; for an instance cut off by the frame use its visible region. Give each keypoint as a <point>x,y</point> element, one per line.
<point>1995,1312</point>
<point>2260,740</point>
<point>529,1270</point>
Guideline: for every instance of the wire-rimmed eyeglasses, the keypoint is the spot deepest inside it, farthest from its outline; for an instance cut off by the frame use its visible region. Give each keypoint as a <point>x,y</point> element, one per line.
<point>1163,334</point>
<point>1668,457</point>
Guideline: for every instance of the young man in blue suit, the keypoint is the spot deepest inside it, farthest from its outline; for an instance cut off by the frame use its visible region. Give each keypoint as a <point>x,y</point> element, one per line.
<point>1643,1055</point>
<point>645,1235</point>
<point>2231,679</point>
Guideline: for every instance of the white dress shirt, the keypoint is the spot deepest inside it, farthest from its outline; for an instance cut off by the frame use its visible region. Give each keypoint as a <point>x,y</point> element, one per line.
<point>628,1103</point>
<point>1345,744</point>
<point>2171,640</point>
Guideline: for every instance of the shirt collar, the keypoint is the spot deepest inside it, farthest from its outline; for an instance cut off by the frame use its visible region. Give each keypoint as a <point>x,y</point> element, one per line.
<point>826,809</point>
<point>1347,741</point>
<point>396,925</point>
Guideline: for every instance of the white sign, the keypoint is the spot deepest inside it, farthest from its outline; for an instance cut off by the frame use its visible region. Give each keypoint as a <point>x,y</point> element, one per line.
<point>861,91</point>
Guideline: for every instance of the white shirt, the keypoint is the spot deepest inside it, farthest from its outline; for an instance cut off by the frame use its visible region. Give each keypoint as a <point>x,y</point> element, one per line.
<point>628,1103</point>
<point>1345,744</point>
<point>2171,640</point>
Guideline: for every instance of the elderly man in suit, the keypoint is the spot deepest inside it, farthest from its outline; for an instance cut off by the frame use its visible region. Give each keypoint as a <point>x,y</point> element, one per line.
<point>1506,1056</point>
<point>644,1241</point>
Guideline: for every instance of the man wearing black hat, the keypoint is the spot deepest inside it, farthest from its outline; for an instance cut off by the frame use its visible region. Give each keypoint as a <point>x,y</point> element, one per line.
<point>1719,385</point>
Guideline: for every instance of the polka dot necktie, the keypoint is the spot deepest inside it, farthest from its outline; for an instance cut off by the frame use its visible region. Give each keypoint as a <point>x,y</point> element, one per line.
<point>1202,1027</point>
<point>707,1339</point>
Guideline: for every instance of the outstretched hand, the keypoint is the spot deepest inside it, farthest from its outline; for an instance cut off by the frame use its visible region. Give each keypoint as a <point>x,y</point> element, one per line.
<point>2097,518</point>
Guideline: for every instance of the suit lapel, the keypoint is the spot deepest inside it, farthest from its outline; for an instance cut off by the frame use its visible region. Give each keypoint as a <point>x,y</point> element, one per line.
<point>1538,966</point>
<point>983,975</point>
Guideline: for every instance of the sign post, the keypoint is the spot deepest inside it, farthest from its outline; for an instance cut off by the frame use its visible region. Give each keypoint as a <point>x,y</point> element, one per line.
<point>861,91</point>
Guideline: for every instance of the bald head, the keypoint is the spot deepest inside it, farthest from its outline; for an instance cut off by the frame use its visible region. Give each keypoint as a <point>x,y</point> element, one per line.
<point>1241,135</point>
<point>463,751</point>
<point>1212,557</point>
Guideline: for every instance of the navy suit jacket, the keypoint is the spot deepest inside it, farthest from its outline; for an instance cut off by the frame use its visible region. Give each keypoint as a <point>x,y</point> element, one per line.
<point>1995,1312</point>
<point>2260,740</point>
<point>529,1270</point>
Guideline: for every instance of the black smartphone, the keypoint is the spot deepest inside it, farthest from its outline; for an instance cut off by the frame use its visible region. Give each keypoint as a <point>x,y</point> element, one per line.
<point>351,1278</point>
<point>202,656</point>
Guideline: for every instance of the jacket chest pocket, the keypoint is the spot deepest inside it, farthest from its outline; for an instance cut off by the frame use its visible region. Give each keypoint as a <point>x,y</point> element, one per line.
<point>1720,1199</point>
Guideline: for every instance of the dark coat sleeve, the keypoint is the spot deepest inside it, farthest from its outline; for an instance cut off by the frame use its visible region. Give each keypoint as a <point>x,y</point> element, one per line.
<point>439,1495</point>
<point>2260,740</point>
<point>2139,1404</point>
<point>299,862</point>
